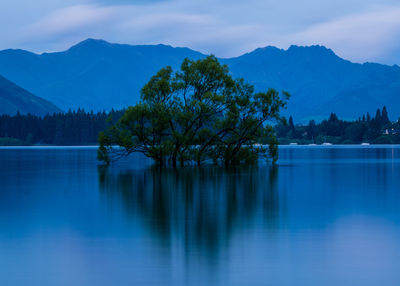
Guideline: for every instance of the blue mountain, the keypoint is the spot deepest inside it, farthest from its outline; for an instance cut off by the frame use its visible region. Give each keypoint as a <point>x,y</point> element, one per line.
<point>98,75</point>
<point>14,99</point>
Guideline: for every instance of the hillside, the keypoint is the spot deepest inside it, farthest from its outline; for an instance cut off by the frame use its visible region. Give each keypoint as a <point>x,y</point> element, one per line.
<point>14,98</point>
<point>92,75</point>
<point>98,75</point>
<point>321,82</point>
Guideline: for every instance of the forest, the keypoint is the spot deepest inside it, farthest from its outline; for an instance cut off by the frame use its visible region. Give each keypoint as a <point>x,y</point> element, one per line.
<point>82,128</point>
<point>62,129</point>
<point>366,129</point>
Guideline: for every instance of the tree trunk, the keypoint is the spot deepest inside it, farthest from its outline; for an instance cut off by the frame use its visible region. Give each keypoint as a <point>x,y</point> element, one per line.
<point>161,161</point>
<point>174,161</point>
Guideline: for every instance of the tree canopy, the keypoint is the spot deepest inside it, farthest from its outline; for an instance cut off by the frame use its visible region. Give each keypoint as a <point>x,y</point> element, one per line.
<point>195,114</point>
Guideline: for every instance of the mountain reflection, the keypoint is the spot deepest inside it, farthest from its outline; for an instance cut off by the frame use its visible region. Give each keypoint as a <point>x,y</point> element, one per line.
<point>199,208</point>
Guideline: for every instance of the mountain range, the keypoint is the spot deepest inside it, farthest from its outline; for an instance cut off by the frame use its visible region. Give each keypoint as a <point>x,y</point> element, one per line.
<point>97,75</point>
<point>14,99</point>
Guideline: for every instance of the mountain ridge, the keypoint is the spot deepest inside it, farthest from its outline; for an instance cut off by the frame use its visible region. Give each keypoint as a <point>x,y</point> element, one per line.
<point>95,74</point>
<point>15,99</point>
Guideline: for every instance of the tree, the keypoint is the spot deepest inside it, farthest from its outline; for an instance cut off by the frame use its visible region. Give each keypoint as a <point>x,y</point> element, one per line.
<point>333,126</point>
<point>385,117</point>
<point>333,118</point>
<point>197,113</point>
<point>312,129</point>
<point>378,117</point>
<point>291,124</point>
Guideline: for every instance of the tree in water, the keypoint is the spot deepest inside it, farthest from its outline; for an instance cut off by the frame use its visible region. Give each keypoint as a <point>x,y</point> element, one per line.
<point>195,114</point>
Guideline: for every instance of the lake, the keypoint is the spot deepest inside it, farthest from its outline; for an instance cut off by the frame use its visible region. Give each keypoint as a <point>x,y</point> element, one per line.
<point>323,216</point>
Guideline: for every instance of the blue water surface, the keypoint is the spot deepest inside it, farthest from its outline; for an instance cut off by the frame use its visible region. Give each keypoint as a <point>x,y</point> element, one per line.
<point>323,216</point>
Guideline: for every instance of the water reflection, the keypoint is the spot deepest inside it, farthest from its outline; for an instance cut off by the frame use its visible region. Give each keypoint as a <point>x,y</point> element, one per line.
<point>316,220</point>
<point>198,208</point>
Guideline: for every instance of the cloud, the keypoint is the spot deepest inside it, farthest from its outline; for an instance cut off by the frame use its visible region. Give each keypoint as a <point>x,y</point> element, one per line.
<point>358,29</point>
<point>127,2</point>
<point>140,24</point>
<point>70,19</point>
<point>361,37</point>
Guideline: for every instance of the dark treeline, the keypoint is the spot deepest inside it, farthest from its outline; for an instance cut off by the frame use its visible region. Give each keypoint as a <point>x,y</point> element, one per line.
<point>82,128</point>
<point>368,129</point>
<point>71,128</point>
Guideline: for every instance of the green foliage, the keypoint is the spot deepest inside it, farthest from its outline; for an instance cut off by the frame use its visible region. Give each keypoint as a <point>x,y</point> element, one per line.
<point>384,139</point>
<point>82,128</point>
<point>71,128</point>
<point>195,114</point>
<point>375,130</point>
<point>6,141</point>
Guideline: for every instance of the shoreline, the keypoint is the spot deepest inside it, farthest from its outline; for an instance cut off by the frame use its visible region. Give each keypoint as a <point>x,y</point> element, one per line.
<point>372,146</point>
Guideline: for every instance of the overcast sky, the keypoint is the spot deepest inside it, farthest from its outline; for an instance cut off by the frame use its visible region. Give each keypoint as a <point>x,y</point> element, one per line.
<point>358,30</point>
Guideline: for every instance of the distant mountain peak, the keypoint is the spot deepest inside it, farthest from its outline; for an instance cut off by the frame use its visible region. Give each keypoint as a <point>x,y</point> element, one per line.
<point>313,49</point>
<point>269,48</point>
<point>91,43</point>
<point>95,74</point>
<point>309,47</point>
<point>93,40</point>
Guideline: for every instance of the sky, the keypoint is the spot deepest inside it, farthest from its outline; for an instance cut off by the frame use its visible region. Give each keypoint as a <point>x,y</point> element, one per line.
<point>357,30</point>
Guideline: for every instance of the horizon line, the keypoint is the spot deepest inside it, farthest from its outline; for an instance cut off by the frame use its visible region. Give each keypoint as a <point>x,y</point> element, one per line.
<point>193,50</point>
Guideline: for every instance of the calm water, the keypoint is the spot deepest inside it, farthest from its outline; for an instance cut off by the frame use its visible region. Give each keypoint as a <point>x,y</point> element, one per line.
<point>323,216</point>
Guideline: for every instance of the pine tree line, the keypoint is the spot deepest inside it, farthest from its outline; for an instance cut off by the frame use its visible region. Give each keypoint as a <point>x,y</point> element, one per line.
<point>82,128</point>
<point>368,129</point>
<point>71,128</point>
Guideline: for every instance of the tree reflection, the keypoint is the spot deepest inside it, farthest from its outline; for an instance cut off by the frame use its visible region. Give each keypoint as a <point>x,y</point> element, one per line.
<point>199,208</point>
